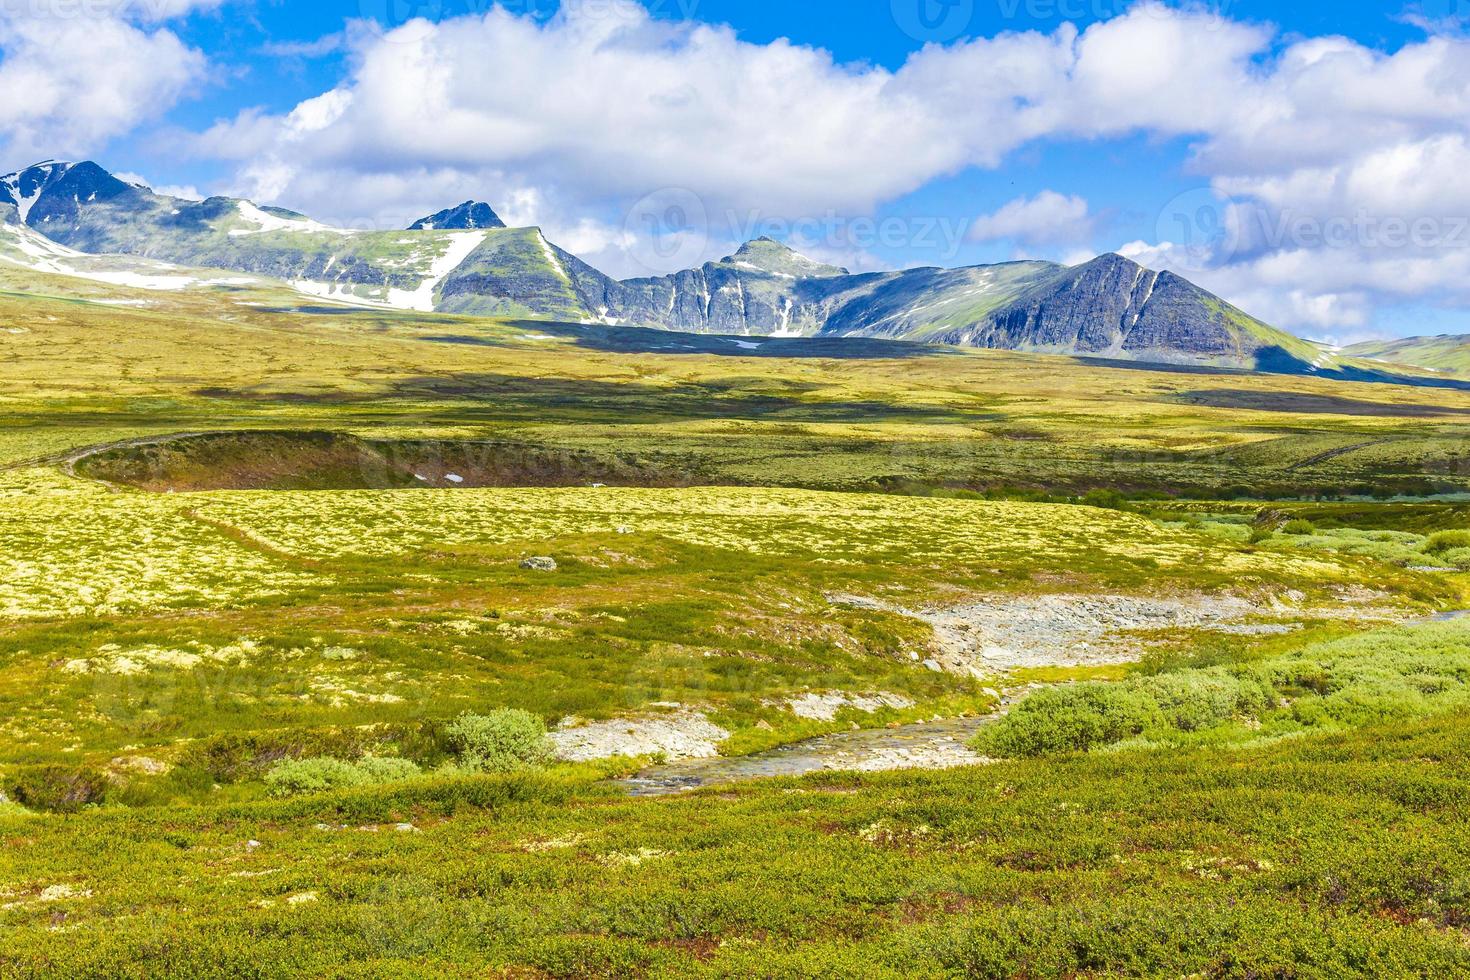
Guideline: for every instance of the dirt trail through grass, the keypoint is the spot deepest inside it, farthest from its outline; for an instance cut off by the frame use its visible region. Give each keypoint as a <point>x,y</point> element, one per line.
<point>71,457</point>
<point>1332,454</point>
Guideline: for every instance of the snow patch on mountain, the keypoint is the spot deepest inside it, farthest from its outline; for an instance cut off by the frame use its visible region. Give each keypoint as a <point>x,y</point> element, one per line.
<point>30,250</point>
<point>551,257</point>
<point>138,281</point>
<point>339,292</point>
<point>265,222</point>
<point>460,245</point>
<point>752,267</point>
<point>455,248</point>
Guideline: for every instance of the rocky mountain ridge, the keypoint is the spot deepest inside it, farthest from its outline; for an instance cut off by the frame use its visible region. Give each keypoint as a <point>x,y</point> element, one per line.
<point>466,217</point>
<point>465,260</point>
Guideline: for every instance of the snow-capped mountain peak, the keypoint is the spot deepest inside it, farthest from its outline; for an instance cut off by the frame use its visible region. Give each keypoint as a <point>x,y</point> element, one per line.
<point>24,188</point>
<point>469,216</point>
<point>49,190</point>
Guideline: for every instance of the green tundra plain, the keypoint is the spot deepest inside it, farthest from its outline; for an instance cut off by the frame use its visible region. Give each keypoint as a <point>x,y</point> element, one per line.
<point>289,594</point>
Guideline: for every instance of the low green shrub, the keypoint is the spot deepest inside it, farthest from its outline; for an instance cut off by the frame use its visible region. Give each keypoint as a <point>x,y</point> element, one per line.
<point>1386,547</point>
<point>293,777</point>
<point>1390,675</point>
<point>388,770</point>
<point>504,740</point>
<point>1238,533</point>
<point>233,757</point>
<point>1458,557</point>
<point>296,777</point>
<point>1069,719</point>
<point>1390,547</point>
<point>57,789</point>
<point>1199,699</point>
<point>1105,499</point>
<point>1447,541</point>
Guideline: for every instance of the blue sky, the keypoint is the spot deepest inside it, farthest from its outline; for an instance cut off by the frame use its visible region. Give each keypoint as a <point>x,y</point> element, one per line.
<point>1270,152</point>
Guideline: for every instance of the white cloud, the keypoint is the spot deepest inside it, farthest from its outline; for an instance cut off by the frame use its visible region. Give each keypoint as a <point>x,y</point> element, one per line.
<point>567,123</point>
<point>1048,219</point>
<point>318,48</point>
<point>76,81</point>
<point>603,105</point>
<point>150,10</point>
<point>620,106</point>
<point>187,192</point>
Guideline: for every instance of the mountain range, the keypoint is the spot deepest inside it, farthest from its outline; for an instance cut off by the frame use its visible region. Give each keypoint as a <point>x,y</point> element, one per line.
<point>464,260</point>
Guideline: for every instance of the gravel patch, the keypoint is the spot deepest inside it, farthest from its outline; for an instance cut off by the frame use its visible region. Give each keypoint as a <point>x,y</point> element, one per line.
<point>1009,632</point>
<point>824,707</point>
<point>686,735</point>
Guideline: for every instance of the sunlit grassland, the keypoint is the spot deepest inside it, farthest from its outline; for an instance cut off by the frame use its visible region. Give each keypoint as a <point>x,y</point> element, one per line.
<point>888,417</point>
<point>1282,804</point>
<point>1443,354</point>
<point>708,596</point>
<point>1327,857</point>
<point>143,621</point>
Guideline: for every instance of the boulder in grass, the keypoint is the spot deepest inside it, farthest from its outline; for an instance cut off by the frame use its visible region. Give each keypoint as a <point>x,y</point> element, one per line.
<point>541,563</point>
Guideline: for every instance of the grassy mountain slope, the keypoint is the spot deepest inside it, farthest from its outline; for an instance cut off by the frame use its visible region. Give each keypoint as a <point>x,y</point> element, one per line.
<point>929,304</point>
<point>1446,355</point>
<point>517,272</point>
<point>24,251</point>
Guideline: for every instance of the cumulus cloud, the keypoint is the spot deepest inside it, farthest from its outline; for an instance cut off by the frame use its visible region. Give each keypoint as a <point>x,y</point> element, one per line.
<point>603,106</point>
<point>187,192</point>
<point>1048,219</point>
<point>80,76</point>
<point>571,122</point>
<point>615,105</point>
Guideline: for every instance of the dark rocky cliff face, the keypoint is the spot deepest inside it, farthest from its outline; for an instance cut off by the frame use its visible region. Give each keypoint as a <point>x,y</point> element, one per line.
<point>1088,309</point>
<point>720,299</point>
<point>54,194</point>
<point>764,288</point>
<point>469,216</point>
<point>1181,316</point>
<point>1111,306</point>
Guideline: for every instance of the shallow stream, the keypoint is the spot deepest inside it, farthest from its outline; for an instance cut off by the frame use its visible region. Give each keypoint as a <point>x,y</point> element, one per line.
<point>927,745</point>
